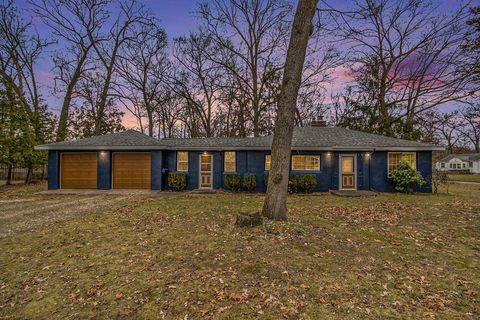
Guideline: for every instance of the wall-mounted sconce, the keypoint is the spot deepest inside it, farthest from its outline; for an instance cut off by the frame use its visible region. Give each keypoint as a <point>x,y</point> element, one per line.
<point>329,154</point>
<point>103,154</point>
<point>367,154</point>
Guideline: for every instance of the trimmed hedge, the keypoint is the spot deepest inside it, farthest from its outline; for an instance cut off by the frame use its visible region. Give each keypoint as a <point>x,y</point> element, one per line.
<point>249,181</point>
<point>233,181</point>
<point>177,181</point>
<point>298,182</point>
<point>301,182</point>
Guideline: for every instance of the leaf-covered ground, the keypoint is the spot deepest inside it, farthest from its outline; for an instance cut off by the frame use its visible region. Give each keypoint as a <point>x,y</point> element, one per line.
<point>390,256</point>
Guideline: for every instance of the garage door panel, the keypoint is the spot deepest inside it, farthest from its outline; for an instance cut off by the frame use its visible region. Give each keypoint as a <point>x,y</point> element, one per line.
<point>131,170</point>
<point>78,170</point>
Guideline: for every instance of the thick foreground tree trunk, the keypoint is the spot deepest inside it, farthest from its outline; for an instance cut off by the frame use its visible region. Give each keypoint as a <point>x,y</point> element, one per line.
<point>275,206</point>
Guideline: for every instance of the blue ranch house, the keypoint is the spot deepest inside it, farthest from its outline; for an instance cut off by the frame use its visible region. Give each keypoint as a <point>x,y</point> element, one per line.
<point>341,159</point>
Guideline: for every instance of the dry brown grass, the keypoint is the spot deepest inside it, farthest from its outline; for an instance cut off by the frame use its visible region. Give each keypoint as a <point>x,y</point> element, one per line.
<point>391,256</point>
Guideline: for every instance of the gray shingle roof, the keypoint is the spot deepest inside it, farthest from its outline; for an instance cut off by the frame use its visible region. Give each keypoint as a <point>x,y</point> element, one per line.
<point>125,140</point>
<point>305,138</point>
<point>463,157</point>
<point>314,138</point>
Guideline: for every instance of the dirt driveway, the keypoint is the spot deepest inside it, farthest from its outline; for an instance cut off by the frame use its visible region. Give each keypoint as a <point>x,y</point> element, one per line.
<point>25,208</point>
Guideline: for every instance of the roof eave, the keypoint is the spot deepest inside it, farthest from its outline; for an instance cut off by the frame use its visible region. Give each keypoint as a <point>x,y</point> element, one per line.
<point>114,148</point>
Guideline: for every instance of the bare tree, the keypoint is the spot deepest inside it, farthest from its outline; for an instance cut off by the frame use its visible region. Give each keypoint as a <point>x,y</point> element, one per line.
<point>71,22</point>
<point>407,55</point>
<point>142,65</point>
<point>275,205</point>
<point>107,48</point>
<point>251,37</point>
<point>197,80</point>
<point>470,127</point>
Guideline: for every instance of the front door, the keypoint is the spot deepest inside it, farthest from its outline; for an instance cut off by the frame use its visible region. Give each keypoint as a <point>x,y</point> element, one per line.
<point>206,171</point>
<point>347,175</point>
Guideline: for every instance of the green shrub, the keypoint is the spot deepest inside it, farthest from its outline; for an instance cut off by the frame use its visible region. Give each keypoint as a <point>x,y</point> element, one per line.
<point>233,181</point>
<point>177,181</point>
<point>301,182</point>
<point>298,182</point>
<point>405,178</point>
<point>249,181</point>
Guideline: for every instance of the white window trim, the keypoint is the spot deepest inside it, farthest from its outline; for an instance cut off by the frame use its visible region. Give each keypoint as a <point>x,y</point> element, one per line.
<point>225,162</point>
<point>306,155</point>
<point>176,161</point>
<point>400,152</point>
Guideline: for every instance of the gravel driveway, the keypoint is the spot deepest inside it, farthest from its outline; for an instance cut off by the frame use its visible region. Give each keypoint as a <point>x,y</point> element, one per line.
<point>25,208</point>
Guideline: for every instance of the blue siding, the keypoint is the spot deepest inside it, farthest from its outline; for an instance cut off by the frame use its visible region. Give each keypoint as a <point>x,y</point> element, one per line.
<point>371,170</point>
<point>156,170</point>
<point>53,170</point>
<point>104,170</point>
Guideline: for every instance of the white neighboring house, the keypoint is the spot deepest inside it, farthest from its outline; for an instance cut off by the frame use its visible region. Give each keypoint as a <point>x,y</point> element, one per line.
<point>460,162</point>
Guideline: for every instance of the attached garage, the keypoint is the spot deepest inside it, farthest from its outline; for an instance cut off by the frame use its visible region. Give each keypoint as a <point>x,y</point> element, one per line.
<point>131,170</point>
<point>78,170</point>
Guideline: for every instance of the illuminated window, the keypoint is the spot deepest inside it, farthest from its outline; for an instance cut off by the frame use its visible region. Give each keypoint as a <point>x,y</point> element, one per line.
<point>394,159</point>
<point>268,160</point>
<point>308,163</point>
<point>182,161</point>
<point>229,162</point>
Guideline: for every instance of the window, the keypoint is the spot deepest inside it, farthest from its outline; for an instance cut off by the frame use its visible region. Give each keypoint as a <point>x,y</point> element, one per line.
<point>464,165</point>
<point>229,164</point>
<point>394,159</point>
<point>442,164</point>
<point>307,163</point>
<point>182,161</point>
<point>268,160</point>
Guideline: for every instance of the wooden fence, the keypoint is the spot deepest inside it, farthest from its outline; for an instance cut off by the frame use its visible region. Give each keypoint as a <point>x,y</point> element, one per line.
<point>19,174</point>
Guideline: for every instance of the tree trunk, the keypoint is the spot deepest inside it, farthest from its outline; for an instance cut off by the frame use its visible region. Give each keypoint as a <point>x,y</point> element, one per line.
<point>9,174</point>
<point>28,177</point>
<point>275,206</point>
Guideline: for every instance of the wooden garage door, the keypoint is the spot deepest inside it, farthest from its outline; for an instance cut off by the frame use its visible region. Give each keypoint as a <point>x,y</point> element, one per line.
<point>131,170</point>
<point>78,170</point>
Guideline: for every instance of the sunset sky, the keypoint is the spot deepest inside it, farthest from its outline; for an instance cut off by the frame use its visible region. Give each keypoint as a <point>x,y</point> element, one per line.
<point>178,18</point>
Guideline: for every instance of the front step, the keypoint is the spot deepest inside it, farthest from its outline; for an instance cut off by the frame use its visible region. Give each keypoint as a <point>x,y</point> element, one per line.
<point>202,191</point>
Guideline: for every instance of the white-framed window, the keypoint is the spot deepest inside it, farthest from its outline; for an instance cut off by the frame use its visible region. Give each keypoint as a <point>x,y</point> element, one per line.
<point>268,162</point>
<point>464,165</point>
<point>182,161</point>
<point>394,159</point>
<point>230,163</point>
<point>306,162</point>
<point>442,164</point>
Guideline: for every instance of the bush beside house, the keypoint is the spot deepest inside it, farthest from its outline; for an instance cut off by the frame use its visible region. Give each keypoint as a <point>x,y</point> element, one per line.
<point>404,178</point>
<point>249,181</point>
<point>298,182</point>
<point>233,181</point>
<point>177,181</point>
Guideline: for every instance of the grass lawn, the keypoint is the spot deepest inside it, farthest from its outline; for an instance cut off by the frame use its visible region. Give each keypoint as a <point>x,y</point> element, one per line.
<point>464,177</point>
<point>390,256</point>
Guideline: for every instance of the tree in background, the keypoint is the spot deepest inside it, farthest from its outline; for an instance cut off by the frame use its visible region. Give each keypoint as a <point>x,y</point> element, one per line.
<point>20,51</point>
<point>197,80</point>
<point>403,58</point>
<point>75,24</point>
<point>142,66</point>
<point>275,205</point>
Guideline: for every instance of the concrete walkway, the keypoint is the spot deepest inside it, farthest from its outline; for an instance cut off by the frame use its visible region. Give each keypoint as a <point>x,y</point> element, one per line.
<point>353,193</point>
